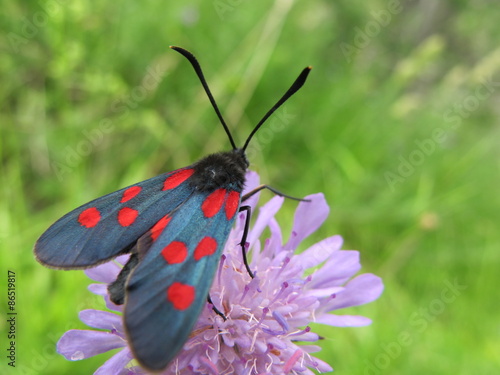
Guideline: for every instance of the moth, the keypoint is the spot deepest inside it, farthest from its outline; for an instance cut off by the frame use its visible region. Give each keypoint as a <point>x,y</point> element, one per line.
<point>174,226</point>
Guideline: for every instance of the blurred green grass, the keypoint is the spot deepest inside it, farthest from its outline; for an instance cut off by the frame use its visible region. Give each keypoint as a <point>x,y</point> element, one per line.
<point>67,67</point>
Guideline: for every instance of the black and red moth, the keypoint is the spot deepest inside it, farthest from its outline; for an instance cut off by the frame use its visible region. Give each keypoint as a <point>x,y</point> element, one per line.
<point>175,227</point>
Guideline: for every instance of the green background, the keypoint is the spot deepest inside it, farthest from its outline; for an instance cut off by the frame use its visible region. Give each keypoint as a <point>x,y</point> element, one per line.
<point>397,125</point>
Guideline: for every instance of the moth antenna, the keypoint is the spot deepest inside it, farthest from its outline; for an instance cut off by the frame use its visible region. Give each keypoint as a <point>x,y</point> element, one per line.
<point>299,82</point>
<point>197,68</point>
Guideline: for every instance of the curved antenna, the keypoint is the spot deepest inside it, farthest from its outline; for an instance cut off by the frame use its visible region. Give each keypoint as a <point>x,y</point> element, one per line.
<point>301,79</point>
<point>196,66</point>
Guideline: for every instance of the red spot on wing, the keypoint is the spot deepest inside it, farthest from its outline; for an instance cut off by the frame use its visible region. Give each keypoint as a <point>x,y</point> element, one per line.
<point>159,226</point>
<point>181,295</point>
<point>232,203</point>
<point>213,203</point>
<point>130,193</point>
<point>89,217</point>
<point>176,179</point>
<point>126,216</point>
<point>206,246</point>
<point>174,252</point>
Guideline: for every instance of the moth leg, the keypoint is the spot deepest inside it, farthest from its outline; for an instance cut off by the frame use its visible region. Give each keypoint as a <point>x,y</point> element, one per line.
<point>216,310</point>
<point>117,288</point>
<point>248,210</point>
<point>277,192</point>
<point>243,242</point>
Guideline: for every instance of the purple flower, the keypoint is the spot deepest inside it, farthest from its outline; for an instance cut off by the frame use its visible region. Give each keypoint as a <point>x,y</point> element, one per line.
<point>266,316</point>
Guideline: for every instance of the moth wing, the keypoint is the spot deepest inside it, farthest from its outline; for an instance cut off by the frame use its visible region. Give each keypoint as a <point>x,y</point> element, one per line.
<point>110,225</point>
<point>169,287</point>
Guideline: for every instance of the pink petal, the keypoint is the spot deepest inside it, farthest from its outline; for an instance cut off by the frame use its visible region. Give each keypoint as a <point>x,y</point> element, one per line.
<point>99,289</point>
<point>341,266</point>
<point>292,360</point>
<point>252,180</point>
<point>308,218</point>
<point>266,214</point>
<point>102,290</point>
<point>360,290</point>
<point>122,259</point>
<point>116,364</point>
<point>274,245</point>
<point>104,273</point>
<point>319,252</point>
<point>78,344</point>
<point>310,348</point>
<point>325,292</point>
<point>343,320</point>
<point>306,336</point>
<point>101,319</point>
<point>320,365</point>
<point>110,305</point>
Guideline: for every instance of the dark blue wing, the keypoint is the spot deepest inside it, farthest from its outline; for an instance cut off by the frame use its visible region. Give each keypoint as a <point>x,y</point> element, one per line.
<point>110,225</point>
<point>168,289</point>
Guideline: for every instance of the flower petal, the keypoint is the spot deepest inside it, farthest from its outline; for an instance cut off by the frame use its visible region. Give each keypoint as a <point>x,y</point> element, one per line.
<point>308,217</point>
<point>325,292</point>
<point>320,365</point>
<point>102,290</point>
<point>341,266</point>
<point>104,273</point>
<point>101,319</point>
<point>343,320</point>
<point>99,289</point>
<point>116,364</point>
<point>78,344</point>
<point>252,180</point>
<point>112,306</point>
<point>276,240</point>
<point>310,348</point>
<point>360,290</point>
<point>306,336</point>
<point>266,213</point>
<point>319,252</point>
<point>122,259</point>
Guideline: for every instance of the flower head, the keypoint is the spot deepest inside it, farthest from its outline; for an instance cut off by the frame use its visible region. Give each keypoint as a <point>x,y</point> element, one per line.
<point>266,316</point>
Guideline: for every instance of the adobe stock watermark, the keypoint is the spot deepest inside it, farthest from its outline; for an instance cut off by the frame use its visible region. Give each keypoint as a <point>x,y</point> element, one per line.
<point>363,36</point>
<point>454,116</point>
<point>279,121</point>
<point>38,359</point>
<point>453,119</point>
<point>418,322</point>
<point>226,6</point>
<point>30,26</point>
<point>92,138</point>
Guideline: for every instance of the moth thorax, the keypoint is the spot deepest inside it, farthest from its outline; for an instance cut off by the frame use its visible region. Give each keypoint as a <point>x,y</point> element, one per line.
<point>221,170</point>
